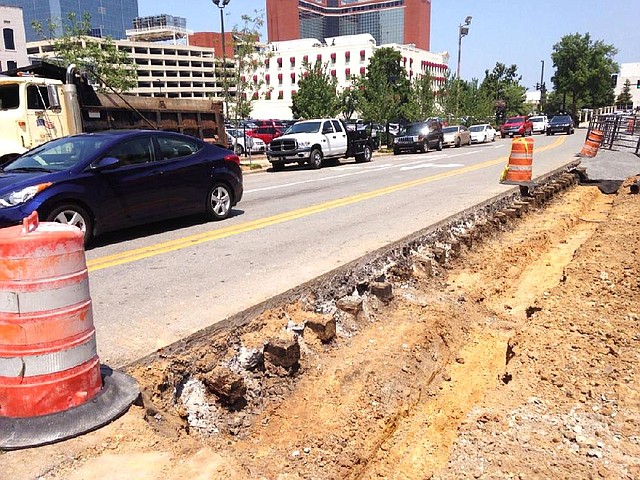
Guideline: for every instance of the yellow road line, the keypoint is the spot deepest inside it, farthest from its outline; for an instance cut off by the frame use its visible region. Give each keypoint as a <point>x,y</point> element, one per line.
<point>191,240</point>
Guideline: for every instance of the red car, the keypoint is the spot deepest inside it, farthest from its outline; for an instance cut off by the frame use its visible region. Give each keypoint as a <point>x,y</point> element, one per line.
<point>266,133</point>
<point>520,125</point>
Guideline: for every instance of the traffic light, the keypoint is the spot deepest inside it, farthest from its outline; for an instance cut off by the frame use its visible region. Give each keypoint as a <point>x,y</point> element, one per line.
<point>538,86</point>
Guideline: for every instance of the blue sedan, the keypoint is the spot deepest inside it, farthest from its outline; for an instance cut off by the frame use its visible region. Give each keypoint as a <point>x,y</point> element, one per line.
<point>109,180</point>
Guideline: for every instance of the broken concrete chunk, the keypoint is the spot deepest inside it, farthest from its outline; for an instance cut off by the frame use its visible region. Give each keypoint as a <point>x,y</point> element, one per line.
<point>350,304</point>
<point>282,352</point>
<point>324,327</point>
<point>382,290</point>
<point>226,384</point>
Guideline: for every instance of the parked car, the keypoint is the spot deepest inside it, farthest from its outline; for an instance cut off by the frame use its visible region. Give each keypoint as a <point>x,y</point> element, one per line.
<point>419,137</point>
<point>109,180</point>
<point>482,133</point>
<point>561,124</point>
<point>539,123</point>
<point>456,135</point>
<point>241,143</point>
<point>266,133</point>
<point>519,125</point>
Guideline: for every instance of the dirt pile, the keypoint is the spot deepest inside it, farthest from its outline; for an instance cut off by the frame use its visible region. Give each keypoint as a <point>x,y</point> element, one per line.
<point>517,360</point>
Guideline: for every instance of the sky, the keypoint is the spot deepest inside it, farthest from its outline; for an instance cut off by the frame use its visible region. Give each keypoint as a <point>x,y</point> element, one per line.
<point>507,31</point>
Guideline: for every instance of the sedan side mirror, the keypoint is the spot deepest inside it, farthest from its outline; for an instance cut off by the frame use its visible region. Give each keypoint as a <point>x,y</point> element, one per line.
<point>106,163</point>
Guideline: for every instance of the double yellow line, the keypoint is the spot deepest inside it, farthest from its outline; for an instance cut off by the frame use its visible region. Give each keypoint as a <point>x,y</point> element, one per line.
<point>197,239</point>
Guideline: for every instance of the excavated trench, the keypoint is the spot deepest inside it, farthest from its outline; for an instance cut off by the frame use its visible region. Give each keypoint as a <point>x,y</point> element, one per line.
<point>220,381</point>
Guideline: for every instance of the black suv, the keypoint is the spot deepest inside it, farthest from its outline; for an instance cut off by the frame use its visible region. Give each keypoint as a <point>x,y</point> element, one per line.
<point>419,137</point>
<point>561,124</point>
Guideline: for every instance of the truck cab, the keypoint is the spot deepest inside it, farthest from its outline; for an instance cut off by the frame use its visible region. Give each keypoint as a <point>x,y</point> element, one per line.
<point>32,111</point>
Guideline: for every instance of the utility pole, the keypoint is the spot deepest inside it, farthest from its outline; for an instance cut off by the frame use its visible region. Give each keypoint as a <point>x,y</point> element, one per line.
<point>463,31</point>
<point>225,84</point>
<point>543,89</point>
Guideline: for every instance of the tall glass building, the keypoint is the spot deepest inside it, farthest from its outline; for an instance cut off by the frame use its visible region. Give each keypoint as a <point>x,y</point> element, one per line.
<point>388,21</point>
<point>109,18</point>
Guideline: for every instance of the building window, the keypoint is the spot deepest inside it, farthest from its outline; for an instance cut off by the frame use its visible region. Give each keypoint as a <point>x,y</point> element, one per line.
<point>319,57</point>
<point>305,58</point>
<point>11,65</point>
<point>279,79</point>
<point>347,72</point>
<point>292,60</point>
<point>280,95</point>
<point>9,42</point>
<point>293,77</point>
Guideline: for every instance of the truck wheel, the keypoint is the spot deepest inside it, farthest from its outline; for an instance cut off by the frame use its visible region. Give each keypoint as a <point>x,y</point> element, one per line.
<point>219,202</point>
<point>277,166</point>
<point>396,151</point>
<point>365,156</point>
<point>70,214</point>
<point>315,159</point>
<point>439,145</point>
<point>425,146</point>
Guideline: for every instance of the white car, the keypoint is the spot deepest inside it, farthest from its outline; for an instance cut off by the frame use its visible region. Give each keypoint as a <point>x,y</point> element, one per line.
<point>540,124</point>
<point>482,133</point>
<point>240,142</point>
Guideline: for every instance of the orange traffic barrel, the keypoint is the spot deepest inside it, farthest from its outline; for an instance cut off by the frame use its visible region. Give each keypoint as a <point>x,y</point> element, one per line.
<point>519,168</point>
<point>592,144</point>
<point>48,355</point>
<point>631,125</point>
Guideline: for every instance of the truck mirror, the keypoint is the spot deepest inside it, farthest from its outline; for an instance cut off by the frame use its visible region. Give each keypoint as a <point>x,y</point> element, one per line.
<point>54,98</point>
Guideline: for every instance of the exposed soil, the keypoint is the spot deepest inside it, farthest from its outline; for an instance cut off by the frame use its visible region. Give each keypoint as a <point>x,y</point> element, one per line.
<point>517,359</point>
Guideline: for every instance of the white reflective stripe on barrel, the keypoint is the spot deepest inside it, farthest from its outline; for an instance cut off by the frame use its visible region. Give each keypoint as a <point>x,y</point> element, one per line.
<point>520,167</point>
<point>43,300</point>
<point>48,363</point>
<point>521,155</point>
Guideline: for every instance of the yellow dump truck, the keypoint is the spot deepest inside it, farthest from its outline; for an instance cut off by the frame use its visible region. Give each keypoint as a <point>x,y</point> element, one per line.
<point>43,102</point>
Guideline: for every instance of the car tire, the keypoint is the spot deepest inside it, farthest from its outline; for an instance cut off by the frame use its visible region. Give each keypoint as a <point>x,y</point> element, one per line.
<point>469,142</point>
<point>219,201</point>
<point>238,149</point>
<point>277,166</point>
<point>365,156</point>
<point>71,214</point>
<point>425,146</point>
<point>457,143</point>
<point>439,145</point>
<point>485,139</point>
<point>396,151</point>
<point>315,159</point>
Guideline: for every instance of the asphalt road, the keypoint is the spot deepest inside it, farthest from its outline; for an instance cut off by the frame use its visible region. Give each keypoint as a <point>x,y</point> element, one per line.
<point>153,285</point>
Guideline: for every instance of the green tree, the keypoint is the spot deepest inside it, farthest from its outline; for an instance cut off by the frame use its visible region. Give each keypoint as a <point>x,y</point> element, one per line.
<point>474,103</point>
<point>384,89</point>
<point>249,61</point>
<point>502,87</point>
<point>625,99</point>
<point>421,103</point>
<point>348,103</point>
<point>583,72</point>
<point>107,66</point>
<point>317,95</point>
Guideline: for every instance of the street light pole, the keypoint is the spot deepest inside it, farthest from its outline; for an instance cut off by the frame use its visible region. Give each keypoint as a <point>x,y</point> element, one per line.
<point>463,31</point>
<point>221,4</point>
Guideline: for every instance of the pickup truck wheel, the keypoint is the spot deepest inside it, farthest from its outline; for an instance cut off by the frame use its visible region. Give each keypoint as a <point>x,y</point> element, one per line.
<point>71,214</point>
<point>219,202</point>
<point>277,166</point>
<point>315,159</point>
<point>439,145</point>
<point>365,156</point>
<point>396,151</point>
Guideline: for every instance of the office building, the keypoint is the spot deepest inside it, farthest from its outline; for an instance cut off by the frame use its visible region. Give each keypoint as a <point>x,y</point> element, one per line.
<point>109,18</point>
<point>13,49</point>
<point>404,22</point>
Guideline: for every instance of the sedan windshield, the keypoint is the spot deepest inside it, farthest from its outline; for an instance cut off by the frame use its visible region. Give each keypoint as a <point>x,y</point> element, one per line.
<point>477,128</point>
<point>304,127</point>
<point>450,130</point>
<point>561,119</point>
<point>56,155</point>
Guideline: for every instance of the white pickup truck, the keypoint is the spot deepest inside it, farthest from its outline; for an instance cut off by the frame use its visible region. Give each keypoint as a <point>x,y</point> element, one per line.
<point>316,141</point>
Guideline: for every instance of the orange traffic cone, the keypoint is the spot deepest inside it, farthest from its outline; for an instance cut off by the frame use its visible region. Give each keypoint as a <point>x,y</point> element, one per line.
<point>519,168</point>
<point>51,384</point>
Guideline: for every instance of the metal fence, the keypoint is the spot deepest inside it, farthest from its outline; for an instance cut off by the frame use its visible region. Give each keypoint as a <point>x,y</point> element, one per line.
<point>620,131</point>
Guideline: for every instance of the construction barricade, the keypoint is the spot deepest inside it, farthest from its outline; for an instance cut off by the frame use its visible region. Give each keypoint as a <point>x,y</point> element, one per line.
<point>51,383</point>
<point>592,144</point>
<point>520,165</point>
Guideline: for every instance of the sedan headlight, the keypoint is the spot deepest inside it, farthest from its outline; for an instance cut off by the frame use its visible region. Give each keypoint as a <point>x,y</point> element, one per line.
<point>19,197</point>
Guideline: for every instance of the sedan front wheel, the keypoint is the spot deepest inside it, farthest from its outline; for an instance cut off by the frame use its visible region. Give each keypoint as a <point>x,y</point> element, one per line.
<point>219,202</point>
<point>74,215</point>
